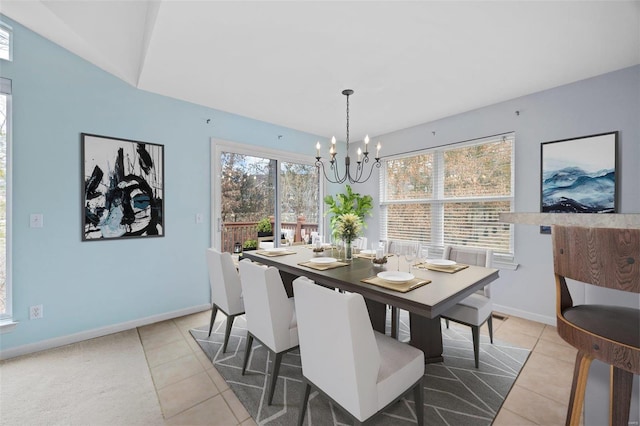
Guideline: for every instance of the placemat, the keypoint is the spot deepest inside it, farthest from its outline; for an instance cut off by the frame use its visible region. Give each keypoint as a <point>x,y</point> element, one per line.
<point>274,253</point>
<point>370,256</point>
<point>322,266</point>
<point>402,287</point>
<point>448,270</point>
<point>365,256</point>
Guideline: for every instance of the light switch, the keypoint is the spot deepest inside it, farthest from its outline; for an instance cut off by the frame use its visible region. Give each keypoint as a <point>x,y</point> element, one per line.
<point>199,218</point>
<point>36,220</point>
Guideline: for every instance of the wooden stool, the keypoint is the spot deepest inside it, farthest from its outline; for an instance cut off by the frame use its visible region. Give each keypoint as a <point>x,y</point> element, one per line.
<point>605,257</point>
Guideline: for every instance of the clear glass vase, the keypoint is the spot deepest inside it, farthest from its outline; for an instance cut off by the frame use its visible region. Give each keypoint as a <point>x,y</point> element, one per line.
<point>348,255</point>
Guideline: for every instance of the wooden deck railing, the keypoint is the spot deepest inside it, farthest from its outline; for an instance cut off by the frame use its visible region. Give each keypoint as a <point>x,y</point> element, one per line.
<point>239,232</point>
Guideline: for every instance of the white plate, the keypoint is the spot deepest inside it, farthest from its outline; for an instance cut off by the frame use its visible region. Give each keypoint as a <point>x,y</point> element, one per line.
<point>367,252</point>
<point>275,249</point>
<point>395,276</point>
<point>322,260</point>
<point>441,262</point>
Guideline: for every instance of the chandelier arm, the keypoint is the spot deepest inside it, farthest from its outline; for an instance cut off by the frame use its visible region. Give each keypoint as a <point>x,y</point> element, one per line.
<point>377,164</point>
<point>358,174</point>
<point>319,166</point>
<point>333,167</point>
<point>336,173</point>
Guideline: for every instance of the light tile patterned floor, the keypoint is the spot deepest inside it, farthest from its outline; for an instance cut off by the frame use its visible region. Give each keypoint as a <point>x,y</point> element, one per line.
<point>192,392</point>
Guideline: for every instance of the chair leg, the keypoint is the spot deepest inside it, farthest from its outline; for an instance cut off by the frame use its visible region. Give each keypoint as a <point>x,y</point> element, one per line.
<point>305,400</point>
<point>475,332</point>
<point>275,369</point>
<point>247,351</point>
<point>620,396</point>
<point>214,311</point>
<point>227,332</point>
<point>418,398</point>
<point>576,399</point>
<point>446,321</point>
<point>490,325</point>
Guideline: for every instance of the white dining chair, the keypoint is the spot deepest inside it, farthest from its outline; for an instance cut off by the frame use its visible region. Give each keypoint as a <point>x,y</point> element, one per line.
<point>265,245</point>
<point>270,314</point>
<point>226,290</point>
<point>477,308</point>
<point>360,243</point>
<point>360,370</point>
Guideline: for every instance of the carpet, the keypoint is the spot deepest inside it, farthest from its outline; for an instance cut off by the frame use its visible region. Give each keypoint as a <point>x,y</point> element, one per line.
<point>455,392</point>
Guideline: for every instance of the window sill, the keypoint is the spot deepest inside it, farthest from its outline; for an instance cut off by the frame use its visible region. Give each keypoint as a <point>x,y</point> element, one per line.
<point>505,264</point>
<point>7,326</point>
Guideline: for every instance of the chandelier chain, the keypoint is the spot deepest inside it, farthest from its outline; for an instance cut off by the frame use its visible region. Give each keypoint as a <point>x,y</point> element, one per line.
<point>347,124</point>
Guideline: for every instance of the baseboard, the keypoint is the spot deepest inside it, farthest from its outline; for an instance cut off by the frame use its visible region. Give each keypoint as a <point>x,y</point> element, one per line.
<point>525,314</point>
<point>97,332</point>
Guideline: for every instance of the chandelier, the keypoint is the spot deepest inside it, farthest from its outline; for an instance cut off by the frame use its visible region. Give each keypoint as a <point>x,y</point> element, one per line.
<point>356,175</point>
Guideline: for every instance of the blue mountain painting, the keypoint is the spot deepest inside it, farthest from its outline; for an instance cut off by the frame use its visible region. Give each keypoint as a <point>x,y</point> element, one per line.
<point>572,190</point>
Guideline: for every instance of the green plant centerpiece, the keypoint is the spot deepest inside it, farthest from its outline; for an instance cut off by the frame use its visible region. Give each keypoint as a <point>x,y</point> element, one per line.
<point>264,227</point>
<point>344,208</point>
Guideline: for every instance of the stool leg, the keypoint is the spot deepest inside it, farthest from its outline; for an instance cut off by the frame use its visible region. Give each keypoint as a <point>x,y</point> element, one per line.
<point>576,400</point>
<point>620,396</point>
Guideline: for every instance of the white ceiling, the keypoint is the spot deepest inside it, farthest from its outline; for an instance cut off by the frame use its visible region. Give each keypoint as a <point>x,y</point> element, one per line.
<point>287,62</point>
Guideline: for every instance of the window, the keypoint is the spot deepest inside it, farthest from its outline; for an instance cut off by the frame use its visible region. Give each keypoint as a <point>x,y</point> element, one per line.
<point>6,42</point>
<point>450,195</point>
<point>5,199</point>
<point>6,48</point>
<point>252,184</point>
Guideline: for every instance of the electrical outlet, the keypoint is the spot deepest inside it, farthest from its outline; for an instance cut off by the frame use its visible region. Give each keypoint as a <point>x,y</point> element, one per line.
<point>35,312</point>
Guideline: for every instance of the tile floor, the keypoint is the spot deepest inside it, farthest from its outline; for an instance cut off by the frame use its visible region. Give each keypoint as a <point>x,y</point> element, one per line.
<point>192,392</point>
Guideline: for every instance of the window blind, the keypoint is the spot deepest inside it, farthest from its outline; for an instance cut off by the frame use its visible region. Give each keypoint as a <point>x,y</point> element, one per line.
<point>450,195</point>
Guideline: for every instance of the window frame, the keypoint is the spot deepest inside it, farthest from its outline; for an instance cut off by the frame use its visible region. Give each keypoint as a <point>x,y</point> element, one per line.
<point>6,318</point>
<point>9,30</point>
<point>438,200</point>
<point>218,146</point>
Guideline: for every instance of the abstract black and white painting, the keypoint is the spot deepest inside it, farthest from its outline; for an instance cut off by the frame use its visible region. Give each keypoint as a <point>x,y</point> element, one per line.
<point>123,183</point>
<point>579,175</point>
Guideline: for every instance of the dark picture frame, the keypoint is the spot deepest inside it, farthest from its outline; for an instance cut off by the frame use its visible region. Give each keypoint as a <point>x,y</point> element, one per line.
<point>122,188</point>
<point>579,175</point>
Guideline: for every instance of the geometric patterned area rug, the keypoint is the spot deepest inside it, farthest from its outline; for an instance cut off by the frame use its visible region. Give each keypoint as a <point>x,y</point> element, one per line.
<point>455,392</point>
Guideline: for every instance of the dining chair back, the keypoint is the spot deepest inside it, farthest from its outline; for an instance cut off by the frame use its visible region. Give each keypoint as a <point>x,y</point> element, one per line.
<point>270,314</point>
<point>476,309</point>
<point>609,258</point>
<point>226,290</point>
<point>471,256</point>
<point>360,243</point>
<point>360,370</point>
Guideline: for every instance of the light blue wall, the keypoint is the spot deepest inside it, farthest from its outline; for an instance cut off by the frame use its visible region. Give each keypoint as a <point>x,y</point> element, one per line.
<point>89,285</point>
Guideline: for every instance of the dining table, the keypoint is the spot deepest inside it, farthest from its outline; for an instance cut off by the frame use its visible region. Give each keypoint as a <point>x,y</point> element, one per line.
<point>425,303</point>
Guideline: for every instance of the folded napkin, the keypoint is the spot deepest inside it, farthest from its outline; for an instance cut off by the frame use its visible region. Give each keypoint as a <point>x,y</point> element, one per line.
<point>322,266</point>
<point>448,269</point>
<point>274,253</point>
<point>401,287</point>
